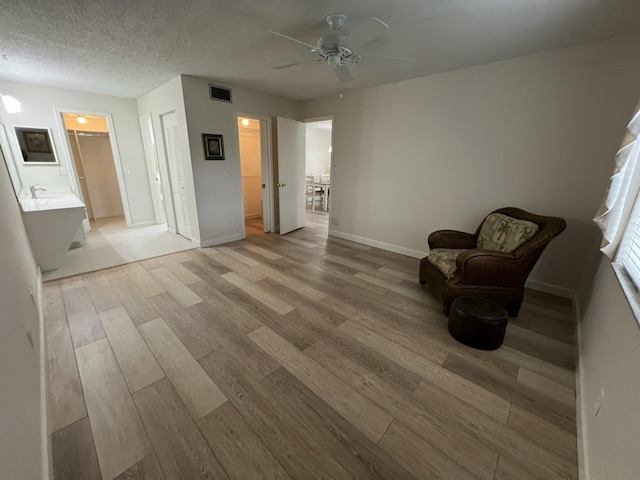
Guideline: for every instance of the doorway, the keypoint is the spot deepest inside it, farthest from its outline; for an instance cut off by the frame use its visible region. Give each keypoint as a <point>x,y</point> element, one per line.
<point>177,177</point>
<point>92,153</point>
<point>318,149</point>
<point>255,170</point>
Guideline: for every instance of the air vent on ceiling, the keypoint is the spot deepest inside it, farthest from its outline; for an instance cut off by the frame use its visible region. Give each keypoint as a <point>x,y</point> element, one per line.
<point>220,94</point>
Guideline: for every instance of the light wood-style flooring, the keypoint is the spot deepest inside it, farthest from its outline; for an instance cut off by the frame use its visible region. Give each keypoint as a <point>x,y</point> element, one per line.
<point>297,357</point>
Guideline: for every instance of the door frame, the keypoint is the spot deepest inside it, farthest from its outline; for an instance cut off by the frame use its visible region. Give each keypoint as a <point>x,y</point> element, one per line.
<point>331,165</point>
<point>266,161</point>
<point>151,156</point>
<point>73,174</point>
<point>169,183</point>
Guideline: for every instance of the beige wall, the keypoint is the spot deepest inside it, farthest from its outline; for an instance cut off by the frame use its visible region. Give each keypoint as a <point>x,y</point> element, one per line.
<point>218,184</point>
<point>251,167</point>
<point>318,155</point>
<point>23,449</point>
<point>610,362</point>
<point>536,132</point>
<point>100,174</point>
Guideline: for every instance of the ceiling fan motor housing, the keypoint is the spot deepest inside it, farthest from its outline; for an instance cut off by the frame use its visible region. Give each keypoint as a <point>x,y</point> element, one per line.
<point>330,46</point>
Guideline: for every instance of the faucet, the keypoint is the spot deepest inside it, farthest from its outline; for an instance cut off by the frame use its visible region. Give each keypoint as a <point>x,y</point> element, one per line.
<point>34,190</point>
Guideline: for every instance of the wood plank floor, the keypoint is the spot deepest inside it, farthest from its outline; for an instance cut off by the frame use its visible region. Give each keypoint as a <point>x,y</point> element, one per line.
<point>298,357</point>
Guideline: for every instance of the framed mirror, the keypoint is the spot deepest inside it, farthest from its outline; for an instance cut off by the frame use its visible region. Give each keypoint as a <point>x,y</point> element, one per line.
<point>36,146</point>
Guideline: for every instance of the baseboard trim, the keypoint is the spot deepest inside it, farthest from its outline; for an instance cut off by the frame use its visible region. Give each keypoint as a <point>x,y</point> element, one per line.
<point>45,445</point>
<point>221,240</point>
<point>143,224</point>
<point>375,243</point>
<point>551,289</point>
<point>584,472</point>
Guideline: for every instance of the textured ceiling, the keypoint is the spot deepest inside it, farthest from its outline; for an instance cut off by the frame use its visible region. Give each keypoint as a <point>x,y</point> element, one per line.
<point>127,48</point>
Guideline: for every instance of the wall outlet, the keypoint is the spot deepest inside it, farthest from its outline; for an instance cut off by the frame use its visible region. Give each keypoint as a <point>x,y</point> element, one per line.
<point>334,220</point>
<point>62,171</point>
<point>599,402</point>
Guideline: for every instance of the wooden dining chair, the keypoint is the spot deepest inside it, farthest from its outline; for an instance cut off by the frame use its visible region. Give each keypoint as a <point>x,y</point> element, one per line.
<point>312,192</point>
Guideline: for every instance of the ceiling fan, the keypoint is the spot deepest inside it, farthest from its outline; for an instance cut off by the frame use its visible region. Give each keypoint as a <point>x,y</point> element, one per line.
<point>339,50</point>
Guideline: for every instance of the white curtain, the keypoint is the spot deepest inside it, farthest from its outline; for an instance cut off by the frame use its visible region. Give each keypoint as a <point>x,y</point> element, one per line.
<point>616,207</point>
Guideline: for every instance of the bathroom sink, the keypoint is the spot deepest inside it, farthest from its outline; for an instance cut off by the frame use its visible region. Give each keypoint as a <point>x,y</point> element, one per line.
<point>51,221</point>
<point>68,200</point>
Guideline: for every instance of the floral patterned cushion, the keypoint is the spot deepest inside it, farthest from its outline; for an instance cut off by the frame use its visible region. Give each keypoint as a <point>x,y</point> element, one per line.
<point>444,259</point>
<point>503,233</point>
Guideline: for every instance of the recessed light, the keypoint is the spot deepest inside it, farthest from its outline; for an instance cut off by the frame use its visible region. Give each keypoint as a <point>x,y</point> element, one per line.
<point>82,119</point>
<point>245,122</point>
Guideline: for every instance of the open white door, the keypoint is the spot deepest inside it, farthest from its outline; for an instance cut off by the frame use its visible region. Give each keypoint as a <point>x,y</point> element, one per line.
<point>291,174</point>
<point>265,158</point>
<point>176,172</point>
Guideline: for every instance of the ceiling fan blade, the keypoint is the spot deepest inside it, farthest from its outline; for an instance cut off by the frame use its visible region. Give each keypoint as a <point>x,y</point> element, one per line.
<point>287,65</point>
<point>365,32</point>
<point>385,62</point>
<point>293,39</point>
<point>343,73</point>
<point>293,64</point>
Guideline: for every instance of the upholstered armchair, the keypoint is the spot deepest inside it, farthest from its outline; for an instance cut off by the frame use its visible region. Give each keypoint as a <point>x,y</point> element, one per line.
<point>493,263</point>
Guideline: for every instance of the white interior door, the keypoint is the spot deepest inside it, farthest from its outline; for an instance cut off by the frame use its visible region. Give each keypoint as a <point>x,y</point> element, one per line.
<point>176,172</point>
<point>291,174</point>
<point>266,178</point>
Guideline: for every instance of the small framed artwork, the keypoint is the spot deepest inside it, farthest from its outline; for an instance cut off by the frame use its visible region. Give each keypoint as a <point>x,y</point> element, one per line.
<point>37,141</point>
<point>213,147</point>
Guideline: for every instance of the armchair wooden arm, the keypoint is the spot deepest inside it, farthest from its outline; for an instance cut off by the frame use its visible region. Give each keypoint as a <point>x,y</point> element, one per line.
<point>452,239</point>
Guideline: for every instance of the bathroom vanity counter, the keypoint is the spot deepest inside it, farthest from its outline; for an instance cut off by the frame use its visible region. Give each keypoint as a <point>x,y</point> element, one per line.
<point>51,221</point>
<point>53,201</point>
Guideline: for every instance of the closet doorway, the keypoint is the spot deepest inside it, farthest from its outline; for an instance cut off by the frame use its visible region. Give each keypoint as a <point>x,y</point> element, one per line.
<point>255,166</point>
<point>95,165</point>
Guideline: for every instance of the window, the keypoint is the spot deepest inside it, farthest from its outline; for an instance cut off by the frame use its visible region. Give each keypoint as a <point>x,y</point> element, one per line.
<point>628,257</point>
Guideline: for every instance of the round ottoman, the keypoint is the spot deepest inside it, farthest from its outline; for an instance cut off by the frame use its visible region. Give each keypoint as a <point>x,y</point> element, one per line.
<point>477,322</point>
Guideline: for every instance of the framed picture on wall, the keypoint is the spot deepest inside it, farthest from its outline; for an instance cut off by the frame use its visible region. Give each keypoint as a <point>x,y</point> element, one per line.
<point>37,141</point>
<point>213,146</point>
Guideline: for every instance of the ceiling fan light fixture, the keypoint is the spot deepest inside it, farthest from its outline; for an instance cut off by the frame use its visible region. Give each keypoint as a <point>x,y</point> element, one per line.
<point>334,61</point>
<point>339,50</point>
<point>82,120</point>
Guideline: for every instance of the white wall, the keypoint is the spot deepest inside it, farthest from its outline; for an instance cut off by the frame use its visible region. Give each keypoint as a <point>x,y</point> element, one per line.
<point>38,105</point>
<point>318,155</point>
<point>218,185</point>
<point>165,99</point>
<point>22,439</point>
<point>536,132</point>
<point>251,167</point>
<point>611,362</point>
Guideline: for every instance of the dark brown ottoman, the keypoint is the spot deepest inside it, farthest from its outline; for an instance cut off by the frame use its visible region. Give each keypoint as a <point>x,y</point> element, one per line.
<point>477,322</point>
